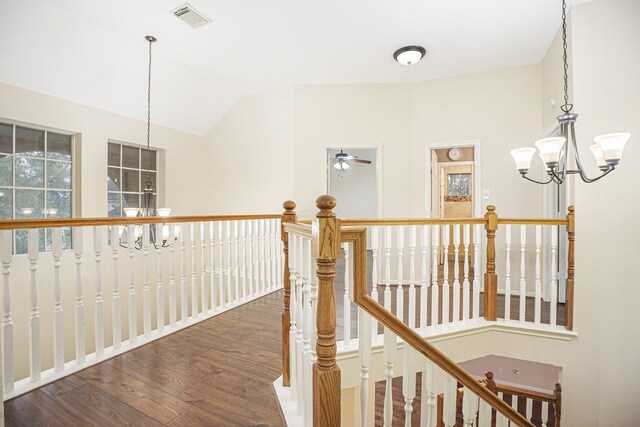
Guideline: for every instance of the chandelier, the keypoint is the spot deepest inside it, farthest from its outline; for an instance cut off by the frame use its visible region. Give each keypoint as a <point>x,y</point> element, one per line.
<point>554,151</point>
<point>147,208</point>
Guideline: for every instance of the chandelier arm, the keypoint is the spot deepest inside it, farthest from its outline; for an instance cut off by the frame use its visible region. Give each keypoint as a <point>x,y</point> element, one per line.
<point>590,180</point>
<point>524,175</point>
<point>576,155</point>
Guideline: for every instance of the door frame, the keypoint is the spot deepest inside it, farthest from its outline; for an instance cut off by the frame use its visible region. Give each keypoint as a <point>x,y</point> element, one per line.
<point>477,173</point>
<point>441,172</point>
<point>378,165</point>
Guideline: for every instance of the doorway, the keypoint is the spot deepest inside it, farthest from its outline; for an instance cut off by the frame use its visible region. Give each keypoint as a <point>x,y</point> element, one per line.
<point>354,182</point>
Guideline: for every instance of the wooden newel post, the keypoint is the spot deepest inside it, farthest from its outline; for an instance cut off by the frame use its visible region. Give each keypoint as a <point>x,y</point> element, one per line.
<point>571,233</point>
<point>326,373</point>
<point>489,382</point>
<point>289,216</point>
<point>557,406</point>
<point>490,277</point>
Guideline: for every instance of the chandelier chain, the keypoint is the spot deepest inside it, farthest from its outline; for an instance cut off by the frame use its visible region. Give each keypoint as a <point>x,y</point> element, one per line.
<point>566,107</point>
<point>148,183</point>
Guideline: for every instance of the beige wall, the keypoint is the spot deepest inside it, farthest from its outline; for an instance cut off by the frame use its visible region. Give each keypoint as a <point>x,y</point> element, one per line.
<point>499,108</point>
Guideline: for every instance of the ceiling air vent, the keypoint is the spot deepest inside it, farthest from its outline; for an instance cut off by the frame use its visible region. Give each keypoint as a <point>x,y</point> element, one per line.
<point>188,14</point>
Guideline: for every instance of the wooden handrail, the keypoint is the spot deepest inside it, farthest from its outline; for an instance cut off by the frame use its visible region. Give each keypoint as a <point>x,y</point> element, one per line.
<point>411,337</point>
<point>298,229</point>
<point>534,221</point>
<point>531,394</point>
<point>358,222</point>
<point>24,224</point>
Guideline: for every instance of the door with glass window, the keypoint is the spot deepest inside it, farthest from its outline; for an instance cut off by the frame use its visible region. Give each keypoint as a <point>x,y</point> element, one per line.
<point>456,195</point>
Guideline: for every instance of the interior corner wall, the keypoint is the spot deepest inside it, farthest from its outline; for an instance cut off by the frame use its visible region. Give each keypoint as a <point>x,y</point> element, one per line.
<point>250,155</point>
<point>96,127</point>
<point>606,57</point>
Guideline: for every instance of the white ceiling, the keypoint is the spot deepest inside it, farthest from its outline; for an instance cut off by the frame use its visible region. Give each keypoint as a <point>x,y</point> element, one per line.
<point>93,52</point>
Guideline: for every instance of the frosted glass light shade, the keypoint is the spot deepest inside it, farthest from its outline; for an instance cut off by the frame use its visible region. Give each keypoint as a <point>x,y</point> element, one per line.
<point>341,165</point>
<point>597,153</point>
<point>164,211</point>
<point>131,212</point>
<point>550,149</point>
<point>409,57</point>
<point>522,157</point>
<point>612,145</point>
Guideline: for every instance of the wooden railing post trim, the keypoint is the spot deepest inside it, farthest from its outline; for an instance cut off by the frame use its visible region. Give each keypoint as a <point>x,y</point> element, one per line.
<point>490,277</point>
<point>288,216</point>
<point>326,373</point>
<point>571,233</point>
<point>557,406</point>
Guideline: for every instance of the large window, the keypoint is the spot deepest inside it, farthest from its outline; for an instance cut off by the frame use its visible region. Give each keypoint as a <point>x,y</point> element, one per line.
<point>126,177</point>
<point>35,178</point>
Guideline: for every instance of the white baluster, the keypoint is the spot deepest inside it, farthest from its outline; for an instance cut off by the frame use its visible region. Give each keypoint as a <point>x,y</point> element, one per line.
<point>501,420</point>
<point>374,274</point>
<point>99,315</point>
<point>267,256</point>
<point>262,251</point>
<point>387,270</point>
<point>364,345</point>
<point>34,315</point>
<point>280,253</point>
<point>476,270</point>
<point>159,265</point>
<point>484,414</point>
<point>514,402</point>
<point>133,310</point>
<point>58,317</point>
<point>146,292</point>
<point>194,276</point>
<point>274,254</point>
<point>300,310</point>
<point>545,411</point>
<point>293,311</point>
<point>435,297</point>
<point>116,315</point>
<point>236,269</point>
<point>507,274</point>
<point>346,301</point>
<point>445,283</point>
<point>314,299</point>
<point>184,301</point>
<point>306,338</point>
<point>251,261</point>
<point>245,295</point>
<point>409,383</point>
<point>412,277</point>
<point>449,408</point>
<point>523,280</point>
<point>222,265</point>
<point>469,407</point>
<point>212,270</point>
<point>400,288</point>
<point>554,275</point>
<point>529,413</point>
<point>465,282</point>
<point>7,321</point>
<point>456,273</point>
<point>172,274</point>
<point>256,262</point>
<point>538,292</point>
<point>229,270</point>
<point>389,354</point>
<point>203,272</point>
<point>79,307</point>
<point>430,381</point>
<point>424,282</point>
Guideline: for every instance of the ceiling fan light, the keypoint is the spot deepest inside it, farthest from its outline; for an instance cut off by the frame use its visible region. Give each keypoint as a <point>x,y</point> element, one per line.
<point>341,165</point>
<point>612,145</point>
<point>409,55</point>
<point>522,157</point>
<point>550,149</point>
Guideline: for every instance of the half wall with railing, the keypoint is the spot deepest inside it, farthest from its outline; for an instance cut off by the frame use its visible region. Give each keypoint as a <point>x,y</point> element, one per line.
<point>414,280</point>
<point>123,283</point>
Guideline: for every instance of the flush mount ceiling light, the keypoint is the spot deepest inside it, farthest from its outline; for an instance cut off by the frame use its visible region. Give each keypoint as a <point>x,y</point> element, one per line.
<point>409,55</point>
<point>555,151</point>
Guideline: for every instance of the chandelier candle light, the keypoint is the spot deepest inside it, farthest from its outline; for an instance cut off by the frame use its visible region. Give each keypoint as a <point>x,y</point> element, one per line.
<point>554,151</point>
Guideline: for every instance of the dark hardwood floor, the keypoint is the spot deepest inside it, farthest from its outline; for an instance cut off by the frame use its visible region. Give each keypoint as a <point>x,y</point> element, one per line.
<point>216,373</point>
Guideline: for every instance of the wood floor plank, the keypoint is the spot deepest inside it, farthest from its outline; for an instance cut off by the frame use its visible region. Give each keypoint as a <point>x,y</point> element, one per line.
<point>200,417</point>
<point>39,409</point>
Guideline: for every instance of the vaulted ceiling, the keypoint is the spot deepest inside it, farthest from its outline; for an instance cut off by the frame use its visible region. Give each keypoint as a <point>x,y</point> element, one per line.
<point>94,53</point>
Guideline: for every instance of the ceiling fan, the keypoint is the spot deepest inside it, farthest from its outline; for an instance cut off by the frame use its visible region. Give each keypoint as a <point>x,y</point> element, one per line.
<point>343,161</point>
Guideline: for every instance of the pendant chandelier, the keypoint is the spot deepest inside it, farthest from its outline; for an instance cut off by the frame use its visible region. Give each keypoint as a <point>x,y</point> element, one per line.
<point>554,151</point>
<point>147,194</point>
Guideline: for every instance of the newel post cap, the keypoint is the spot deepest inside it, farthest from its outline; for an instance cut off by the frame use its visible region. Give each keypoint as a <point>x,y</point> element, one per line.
<point>289,205</point>
<point>326,204</point>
